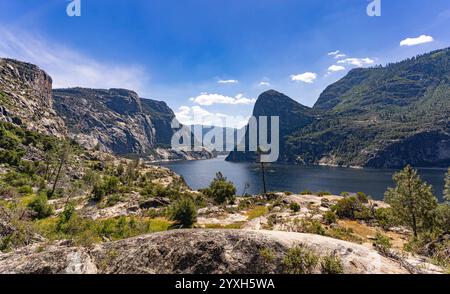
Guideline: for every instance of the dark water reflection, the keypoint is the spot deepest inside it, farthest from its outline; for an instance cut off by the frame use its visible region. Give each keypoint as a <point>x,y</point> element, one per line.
<point>198,174</point>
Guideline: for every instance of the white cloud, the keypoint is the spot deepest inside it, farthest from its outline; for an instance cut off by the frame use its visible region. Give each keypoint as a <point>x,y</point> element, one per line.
<point>264,84</point>
<point>359,62</point>
<point>334,53</point>
<point>335,68</point>
<point>228,81</point>
<point>67,67</point>
<point>307,77</point>
<point>196,115</point>
<point>416,41</point>
<point>207,99</point>
<point>339,56</point>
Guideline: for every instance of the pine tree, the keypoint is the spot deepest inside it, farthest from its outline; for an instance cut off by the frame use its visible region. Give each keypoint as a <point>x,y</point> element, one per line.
<point>412,200</point>
<point>447,186</point>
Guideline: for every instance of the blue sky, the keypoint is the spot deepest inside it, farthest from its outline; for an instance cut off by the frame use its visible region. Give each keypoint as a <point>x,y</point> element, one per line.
<point>212,58</point>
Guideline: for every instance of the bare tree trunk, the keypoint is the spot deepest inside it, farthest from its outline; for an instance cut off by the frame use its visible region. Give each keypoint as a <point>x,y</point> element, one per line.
<point>264,177</point>
<point>58,174</point>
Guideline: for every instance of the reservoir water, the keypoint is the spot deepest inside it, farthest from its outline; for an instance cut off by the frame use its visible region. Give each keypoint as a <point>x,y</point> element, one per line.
<point>294,178</point>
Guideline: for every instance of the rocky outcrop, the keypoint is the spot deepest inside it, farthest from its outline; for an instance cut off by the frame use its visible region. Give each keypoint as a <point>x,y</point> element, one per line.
<point>26,98</point>
<point>192,252</point>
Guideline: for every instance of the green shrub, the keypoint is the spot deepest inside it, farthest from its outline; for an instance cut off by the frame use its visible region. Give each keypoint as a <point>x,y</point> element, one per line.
<point>25,190</point>
<point>268,255</point>
<point>385,218</point>
<point>184,213</point>
<point>300,260</point>
<point>382,242</point>
<point>309,226</point>
<point>109,185</point>
<point>331,265</point>
<point>343,234</point>
<point>322,193</point>
<point>295,207</point>
<point>442,218</point>
<point>362,197</point>
<point>351,208</point>
<point>329,217</point>
<point>306,192</point>
<point>39,205</point>
<point>64,218</point>
<point>221,190</point>
<point>11,157</point>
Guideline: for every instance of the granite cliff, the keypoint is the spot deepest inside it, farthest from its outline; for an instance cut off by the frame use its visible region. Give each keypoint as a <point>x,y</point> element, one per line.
<point>381,117</point>
<point>26,98</point>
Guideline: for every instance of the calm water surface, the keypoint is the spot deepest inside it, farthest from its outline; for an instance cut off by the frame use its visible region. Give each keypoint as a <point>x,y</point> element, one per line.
<point>198,174</point>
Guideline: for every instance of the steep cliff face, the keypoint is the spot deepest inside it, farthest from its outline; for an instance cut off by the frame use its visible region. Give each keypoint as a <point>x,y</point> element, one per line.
<point>292,116</point>
<point>26,98</point>
<point>115,120</point>
<point>377,117</point>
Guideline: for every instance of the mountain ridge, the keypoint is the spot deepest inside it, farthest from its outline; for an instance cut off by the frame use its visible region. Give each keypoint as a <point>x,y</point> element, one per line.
<point>382,117</point>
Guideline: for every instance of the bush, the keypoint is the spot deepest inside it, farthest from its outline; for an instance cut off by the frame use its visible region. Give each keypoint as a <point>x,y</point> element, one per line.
<point>39,205</point>
<point>295,207</point>
<point>344,234</point>
<point>442,218</point>
<point>25,190</point>
<point>385,218</point>
<point>184,213</point>
<point>382,243</point>
<point>109,185</point>
<point>64,218</point>
<point>323,193</point>
<point>351,208</point>
<point>331,265</point>
<point>221,190</point>
<point>309,226</point>
<point>362,197</point>
<point>329,217</point>
<point>300,260</point>
<point>306,192</point>
<point>267,254</point>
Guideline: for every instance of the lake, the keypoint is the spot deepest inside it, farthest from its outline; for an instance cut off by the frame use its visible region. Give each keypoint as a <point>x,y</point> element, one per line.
<point>294,178</point>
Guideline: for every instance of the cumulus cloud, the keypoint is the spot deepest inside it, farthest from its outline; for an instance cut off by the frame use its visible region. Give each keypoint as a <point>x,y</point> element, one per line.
<point>197,115</point>
<point>307,77</point>
<point>206,99</point>
<point>359,62</point>
<point>416,41</point>
<point>264,84</point>
<point>67,67</point>
<point>335,68</point>
<point>228,81</point>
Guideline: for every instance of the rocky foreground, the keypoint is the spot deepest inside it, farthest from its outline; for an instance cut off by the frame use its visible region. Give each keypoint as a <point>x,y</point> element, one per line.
<point>192,252</point>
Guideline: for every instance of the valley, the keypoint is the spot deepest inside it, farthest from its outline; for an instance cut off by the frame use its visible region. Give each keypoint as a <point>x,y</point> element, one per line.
<point>80,191</point>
